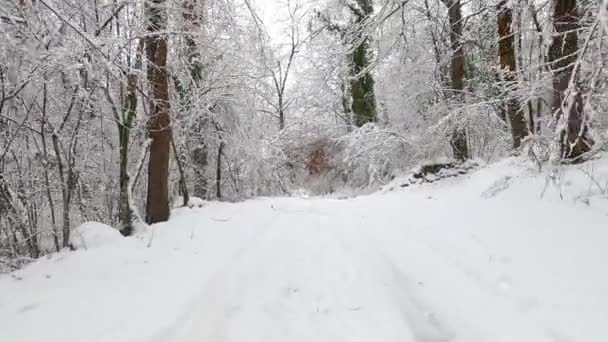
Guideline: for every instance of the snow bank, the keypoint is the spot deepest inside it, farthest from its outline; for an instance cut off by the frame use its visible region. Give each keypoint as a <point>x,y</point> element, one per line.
<point>93,235</point>
<point>193,202</point>
<point>432,172</point>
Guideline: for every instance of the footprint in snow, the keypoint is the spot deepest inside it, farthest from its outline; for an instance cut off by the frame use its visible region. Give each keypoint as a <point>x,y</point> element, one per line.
<point>504,284</point>
<point>28,307</point>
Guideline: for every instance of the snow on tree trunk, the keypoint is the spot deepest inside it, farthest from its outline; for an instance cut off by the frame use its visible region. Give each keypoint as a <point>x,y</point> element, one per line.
<point>508,66</point>
<point>187,90</point>
<point>458,140</point>
<point>125,125</point>
<point>567,103</point>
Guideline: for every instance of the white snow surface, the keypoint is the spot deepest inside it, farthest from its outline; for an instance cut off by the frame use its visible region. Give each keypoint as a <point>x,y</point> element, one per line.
<point>477,258</point>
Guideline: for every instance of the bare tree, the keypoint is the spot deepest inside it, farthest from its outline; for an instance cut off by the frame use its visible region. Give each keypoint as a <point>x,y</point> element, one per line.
<point>280,67</point>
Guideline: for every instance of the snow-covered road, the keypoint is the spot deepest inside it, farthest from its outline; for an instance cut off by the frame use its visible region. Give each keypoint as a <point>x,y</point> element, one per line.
<point>447,262</point>
<point>309,277</point>
<point>328,270</point>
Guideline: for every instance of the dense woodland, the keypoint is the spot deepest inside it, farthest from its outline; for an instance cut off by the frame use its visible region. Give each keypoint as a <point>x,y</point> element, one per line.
<point>118,110</point>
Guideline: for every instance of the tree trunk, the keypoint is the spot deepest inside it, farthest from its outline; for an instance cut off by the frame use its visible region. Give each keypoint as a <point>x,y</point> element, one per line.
<point>574,139</point>
<point>218,171</point>
<point>457,60</point>
<point>508,66</point>
<point>443,79</point>
<point>192,22</point>
<point>347,113</point>
<point>183,189</point>
<point>124,128</point>
<point>47,182</point>
<point>199,154</point>
<point>159,122</point>
<point>458,141</point>
<point>65,192</point>
<point>124,209</point>
<point>362,83</point>
<point>281,112</point>
<point>562,52</point>
<point>124,133</point>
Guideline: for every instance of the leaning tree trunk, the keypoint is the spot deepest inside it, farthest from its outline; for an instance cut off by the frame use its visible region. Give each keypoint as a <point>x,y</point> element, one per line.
<point>567,103</point>
<point>159,121</point>
<point>458,140</point>
<point>362,84</point>
<point>508,66</point>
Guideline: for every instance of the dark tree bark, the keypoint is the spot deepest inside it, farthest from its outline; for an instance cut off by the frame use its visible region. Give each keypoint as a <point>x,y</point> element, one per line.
<point>159,122</point>
<point>562,56</point>
<point>362,83</point>
<point>458,141</point>
<point>562,53</point>
<point>508,65</point>
<point>218,171</point>
<point>192,21</point>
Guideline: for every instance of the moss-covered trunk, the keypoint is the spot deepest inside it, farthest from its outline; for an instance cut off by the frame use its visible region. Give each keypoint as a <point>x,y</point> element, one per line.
<point>362,82</point>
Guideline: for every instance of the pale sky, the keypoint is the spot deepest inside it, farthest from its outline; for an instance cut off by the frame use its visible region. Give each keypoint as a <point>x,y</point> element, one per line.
<point>272,12</point>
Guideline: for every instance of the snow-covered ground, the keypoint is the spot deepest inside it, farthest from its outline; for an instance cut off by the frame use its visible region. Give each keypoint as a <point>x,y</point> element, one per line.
<point>495,256</point>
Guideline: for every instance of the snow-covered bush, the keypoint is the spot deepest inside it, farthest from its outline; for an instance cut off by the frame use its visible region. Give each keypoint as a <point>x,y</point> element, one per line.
<point>261,168</point>
<point>93,235</point>
<point>371,155</point>
<point>488,136</point>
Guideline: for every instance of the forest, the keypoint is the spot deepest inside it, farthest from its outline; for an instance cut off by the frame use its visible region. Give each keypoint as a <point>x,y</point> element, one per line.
<point>117,111</point>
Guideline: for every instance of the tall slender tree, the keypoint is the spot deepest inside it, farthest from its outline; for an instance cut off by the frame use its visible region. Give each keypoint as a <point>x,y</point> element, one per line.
<point>159,121</point>
<point>125,125</point>
<point>188,90</point>
<point>362,82</point>
<point>508,66</point>
<point>567,100</point>
<point>458,140</point>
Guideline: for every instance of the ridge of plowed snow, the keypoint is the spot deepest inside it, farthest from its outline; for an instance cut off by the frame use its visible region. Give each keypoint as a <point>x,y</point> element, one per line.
<point>481,258</point>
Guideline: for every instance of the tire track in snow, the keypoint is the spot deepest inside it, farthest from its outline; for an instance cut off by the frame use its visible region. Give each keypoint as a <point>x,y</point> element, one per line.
<point>230,291</point>
<point>459,302</point>
<point>423,323</point>
<point>298,283</point>
<point>184,321</point>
